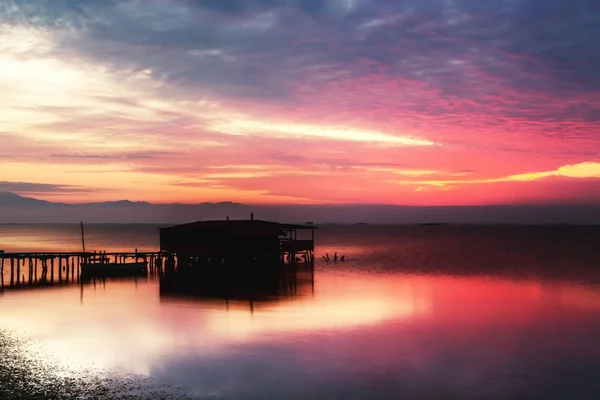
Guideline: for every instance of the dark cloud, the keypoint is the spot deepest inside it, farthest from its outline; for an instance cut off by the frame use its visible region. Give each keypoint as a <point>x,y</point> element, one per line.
<point>544,51</point>
<point>558,39</point>
<point>230,6</point>
<point>31,187</point>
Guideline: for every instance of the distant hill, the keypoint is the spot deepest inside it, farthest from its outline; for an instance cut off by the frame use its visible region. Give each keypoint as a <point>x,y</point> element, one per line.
<point>12,199</point>
<point>19,209</point>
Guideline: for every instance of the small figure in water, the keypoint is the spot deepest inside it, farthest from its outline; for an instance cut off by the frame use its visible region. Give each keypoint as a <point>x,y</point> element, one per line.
<point>342,258</point>
<point>335,256</point>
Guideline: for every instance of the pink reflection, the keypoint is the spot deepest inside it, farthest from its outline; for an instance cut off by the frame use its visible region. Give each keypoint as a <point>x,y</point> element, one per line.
<point>377,320</point>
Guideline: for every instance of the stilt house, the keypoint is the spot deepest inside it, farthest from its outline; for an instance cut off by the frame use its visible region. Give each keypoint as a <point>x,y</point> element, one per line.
<point>224,241</point>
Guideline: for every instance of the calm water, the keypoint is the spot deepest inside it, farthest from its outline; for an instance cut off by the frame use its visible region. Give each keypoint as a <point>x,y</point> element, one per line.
<point>414,312</point>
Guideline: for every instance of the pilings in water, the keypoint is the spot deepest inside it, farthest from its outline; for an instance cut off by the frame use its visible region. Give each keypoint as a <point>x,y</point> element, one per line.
<point>42,269</point>
<point>31,269</point>
<point>20,270</point>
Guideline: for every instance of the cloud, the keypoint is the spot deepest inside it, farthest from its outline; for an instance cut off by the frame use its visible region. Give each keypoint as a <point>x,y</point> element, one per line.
<point>584,170</point>
<point>246,49</point>
<point>37,188</point>
<point>161,91</point>
<point>242,125</point>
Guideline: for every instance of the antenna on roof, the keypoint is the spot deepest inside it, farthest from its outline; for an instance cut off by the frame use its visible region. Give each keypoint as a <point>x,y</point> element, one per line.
<point>251,216</point>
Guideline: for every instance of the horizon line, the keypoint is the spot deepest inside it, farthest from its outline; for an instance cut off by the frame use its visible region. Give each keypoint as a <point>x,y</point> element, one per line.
<point>508,205</point>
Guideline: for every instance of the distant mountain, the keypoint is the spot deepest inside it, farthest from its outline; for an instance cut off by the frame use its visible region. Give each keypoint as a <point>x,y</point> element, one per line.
<point>117,203</point>
<point>12,199</point>
<point>20,209</point>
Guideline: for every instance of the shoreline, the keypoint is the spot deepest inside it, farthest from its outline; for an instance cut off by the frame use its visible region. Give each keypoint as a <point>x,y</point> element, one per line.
<point>22,378</point>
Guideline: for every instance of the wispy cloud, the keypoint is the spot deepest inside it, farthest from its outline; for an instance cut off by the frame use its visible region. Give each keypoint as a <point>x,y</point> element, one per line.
<point>236,125</point>
<point>584,170</point>
<point>40,188</point>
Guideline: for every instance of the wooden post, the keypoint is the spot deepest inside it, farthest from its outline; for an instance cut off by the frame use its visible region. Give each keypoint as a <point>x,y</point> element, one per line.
<point>18,271</point>
<point>82,237</point>
<point>2,273</point>
<point>52,270</point>
<point>12,272</point>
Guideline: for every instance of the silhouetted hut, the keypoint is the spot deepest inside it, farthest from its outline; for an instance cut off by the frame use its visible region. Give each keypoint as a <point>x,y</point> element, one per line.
<point>225,241</point>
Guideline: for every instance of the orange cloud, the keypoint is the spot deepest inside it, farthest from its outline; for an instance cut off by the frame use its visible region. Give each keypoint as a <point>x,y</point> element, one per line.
<point>582,170</point>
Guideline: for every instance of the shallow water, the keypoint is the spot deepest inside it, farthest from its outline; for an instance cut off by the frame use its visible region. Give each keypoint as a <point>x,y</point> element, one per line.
<point>414,312</point>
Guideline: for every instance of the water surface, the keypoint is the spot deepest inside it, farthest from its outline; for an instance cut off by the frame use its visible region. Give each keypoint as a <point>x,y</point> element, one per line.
<point>414,312</point>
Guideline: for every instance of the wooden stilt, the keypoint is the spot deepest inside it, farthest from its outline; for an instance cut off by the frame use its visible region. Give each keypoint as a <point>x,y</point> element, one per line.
<point>18,271</point>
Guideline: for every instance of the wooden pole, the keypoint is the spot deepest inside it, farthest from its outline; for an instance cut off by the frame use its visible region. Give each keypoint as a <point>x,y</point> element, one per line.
<point>82,237</point>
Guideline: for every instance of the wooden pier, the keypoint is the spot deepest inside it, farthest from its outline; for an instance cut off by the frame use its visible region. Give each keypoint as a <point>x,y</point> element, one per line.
<point>236,245</point>
<point>18,270</point>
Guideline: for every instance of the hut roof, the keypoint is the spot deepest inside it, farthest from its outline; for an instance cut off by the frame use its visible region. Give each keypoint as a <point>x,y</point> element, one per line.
<point>224,224</point>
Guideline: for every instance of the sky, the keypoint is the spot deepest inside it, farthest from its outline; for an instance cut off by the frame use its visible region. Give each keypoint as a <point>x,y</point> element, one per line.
<point>409,102</point>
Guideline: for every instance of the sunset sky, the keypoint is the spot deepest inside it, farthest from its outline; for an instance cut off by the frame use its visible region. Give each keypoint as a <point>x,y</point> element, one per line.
<point>415,102</point>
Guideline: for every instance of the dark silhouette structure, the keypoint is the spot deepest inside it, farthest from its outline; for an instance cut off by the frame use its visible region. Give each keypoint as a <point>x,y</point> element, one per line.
<point>237,242</point>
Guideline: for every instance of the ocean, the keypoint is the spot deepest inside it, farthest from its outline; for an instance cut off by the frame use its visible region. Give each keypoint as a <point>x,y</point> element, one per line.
<point>414,312</point>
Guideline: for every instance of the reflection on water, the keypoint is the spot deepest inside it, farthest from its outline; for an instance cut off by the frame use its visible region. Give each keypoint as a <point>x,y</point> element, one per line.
<point>388,334</point>
<point>244,283</point>
<point>348,331</point>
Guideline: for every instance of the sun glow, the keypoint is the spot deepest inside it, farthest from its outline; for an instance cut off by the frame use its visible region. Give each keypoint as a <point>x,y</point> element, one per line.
<point>243,125</point>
